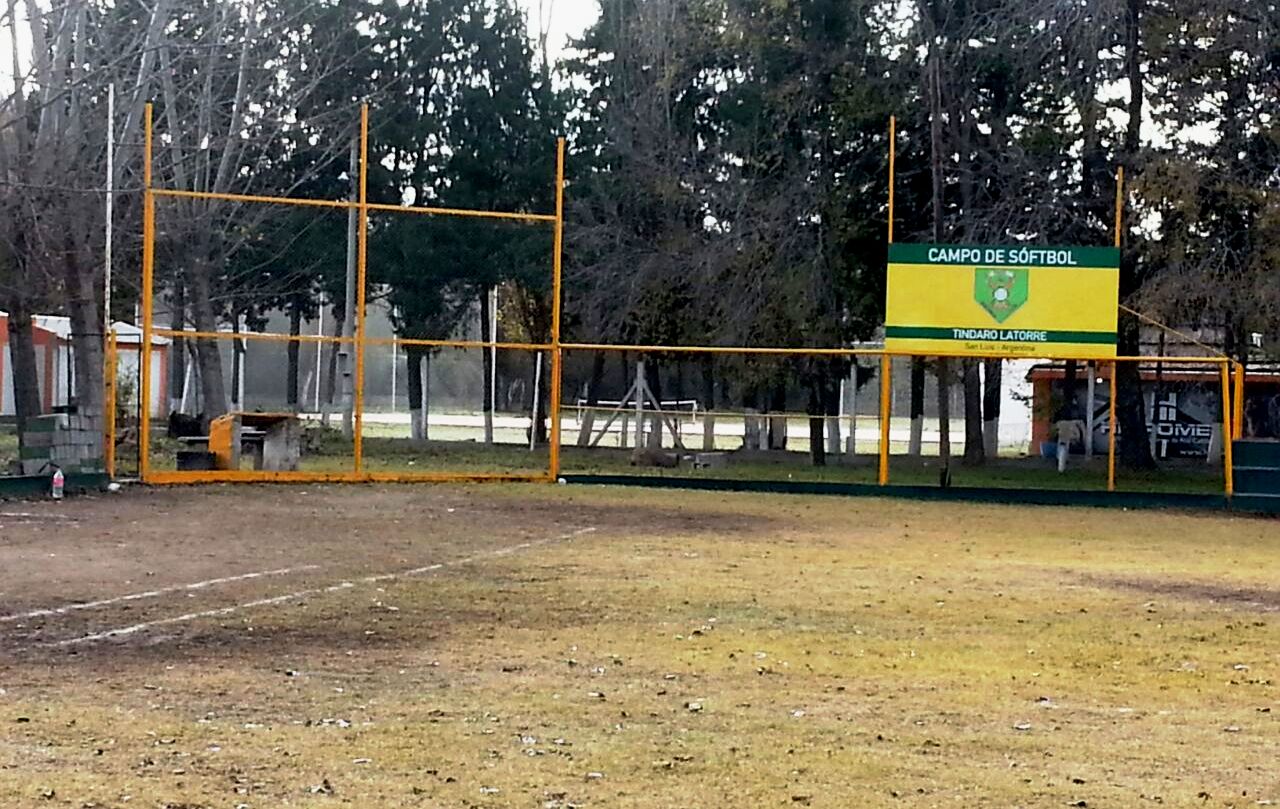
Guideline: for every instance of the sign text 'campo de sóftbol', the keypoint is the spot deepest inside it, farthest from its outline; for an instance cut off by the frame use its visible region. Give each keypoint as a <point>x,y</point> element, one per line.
<point>1002,300</point>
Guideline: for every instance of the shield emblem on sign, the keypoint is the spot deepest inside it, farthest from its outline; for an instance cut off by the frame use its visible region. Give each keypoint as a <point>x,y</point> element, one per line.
<point>1001,291</point>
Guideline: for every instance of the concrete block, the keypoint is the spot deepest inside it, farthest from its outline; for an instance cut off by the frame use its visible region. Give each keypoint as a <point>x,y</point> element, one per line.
<point>710,460</point>
<point>86,438</point>
<point>30,439</point>
<point>49,423</point>
<point>35,467</point>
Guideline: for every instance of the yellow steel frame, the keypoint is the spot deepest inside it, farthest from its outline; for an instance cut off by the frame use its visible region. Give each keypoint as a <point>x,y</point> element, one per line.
<point>1232,414</point>
<point>360,339</point>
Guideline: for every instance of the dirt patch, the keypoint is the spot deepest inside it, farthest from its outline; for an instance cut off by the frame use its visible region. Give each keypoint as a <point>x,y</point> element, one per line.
<point>1252,598</point>
<point>97,564</point>
<point>695,649</point>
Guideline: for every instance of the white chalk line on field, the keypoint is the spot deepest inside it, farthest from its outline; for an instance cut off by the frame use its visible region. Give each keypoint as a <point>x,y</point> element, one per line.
<point>177,588</point>
<point>299,594</point>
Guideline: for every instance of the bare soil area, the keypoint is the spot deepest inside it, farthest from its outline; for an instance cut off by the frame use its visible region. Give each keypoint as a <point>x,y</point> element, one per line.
<point>542,646</point>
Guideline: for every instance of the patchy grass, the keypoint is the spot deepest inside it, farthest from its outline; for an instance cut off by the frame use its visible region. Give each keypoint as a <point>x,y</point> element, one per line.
<point>8,448</point>
<point>327,451</point>
<point>694,650</point>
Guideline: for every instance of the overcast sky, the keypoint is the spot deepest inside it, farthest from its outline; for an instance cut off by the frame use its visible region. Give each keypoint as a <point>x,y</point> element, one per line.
<point>569,18</point>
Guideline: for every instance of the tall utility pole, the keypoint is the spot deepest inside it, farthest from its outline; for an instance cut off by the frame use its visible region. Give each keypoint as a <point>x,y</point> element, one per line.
<point>110,211</point>
<point>935,145</point>
<point>346,348</point>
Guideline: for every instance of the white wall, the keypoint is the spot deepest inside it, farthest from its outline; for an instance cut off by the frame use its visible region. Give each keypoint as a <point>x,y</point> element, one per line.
<point>127,368</point>
<point>6,385</point>
<point>1015,415</point>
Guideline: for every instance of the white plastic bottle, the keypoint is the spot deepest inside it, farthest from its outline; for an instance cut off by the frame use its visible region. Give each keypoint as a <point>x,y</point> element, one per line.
<point>59,483</point>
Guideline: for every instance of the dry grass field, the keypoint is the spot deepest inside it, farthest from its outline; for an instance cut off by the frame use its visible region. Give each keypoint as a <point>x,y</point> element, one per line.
<point>539,646</point>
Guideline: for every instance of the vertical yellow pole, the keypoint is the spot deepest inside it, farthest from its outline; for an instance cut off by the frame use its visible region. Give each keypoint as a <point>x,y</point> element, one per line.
<point>1119,203</point>
<point>1228,474</point>
<point>556,353</point>
<point>362,245</point>
<point>1111,429</point>
<point>109,405</point>
<point>1237,405</point>
<point>886,361</point>
<point>893,159</point>
<point>886,412</point>
<point>1115,367</point>
<point>148,295</point>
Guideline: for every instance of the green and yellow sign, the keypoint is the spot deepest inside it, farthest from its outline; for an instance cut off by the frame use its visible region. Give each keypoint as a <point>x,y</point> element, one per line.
<point>1002,301</point>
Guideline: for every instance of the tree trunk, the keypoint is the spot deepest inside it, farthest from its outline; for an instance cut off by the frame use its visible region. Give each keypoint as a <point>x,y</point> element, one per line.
<point>212,387</point>
<point>1134,443</point>
<point>751,427</point>
<point>593,399</point>
<point>537,402</point>
<point>817,421</point>
<point>708,403</point>
<point>331,369</point>
<point>831,407</point>
<point>292,352</point>
<point>177,346</point>
<point>1070,382</point>
<point>917,407</point>
<point>975,450</point>
<point>26,379</point>
<point>486,365</point>
<point>992,382</point>
<point>85,313</point>
<point>778,417</point>
<point>414,360</point>
<point>653,372</point>
<point>237,364</point>
<point>1131,408</point>
<point>944,420</point>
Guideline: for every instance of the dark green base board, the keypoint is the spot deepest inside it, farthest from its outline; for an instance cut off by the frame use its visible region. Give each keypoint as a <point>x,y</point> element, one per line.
<point>32,486</point>
<point>955,494</point>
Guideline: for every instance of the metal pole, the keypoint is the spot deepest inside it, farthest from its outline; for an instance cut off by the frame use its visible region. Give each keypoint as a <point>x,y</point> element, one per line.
<point>853,409</point>
<point>1119,203</point>
<point>1112,428</point>
<point>319,355</point>
<point>493,349</point>
<point>1237,405</point>
<point>1088,441</point>
<point>886,413</point>
<point>346,348</point>
<point>537,394</point>
<point>1228,472</point>
<point>893,159</point>
<point>110,210</point>
<point>362,248</point>
<point>640,387</point>
<point>557,357</point>
<point>109,407</point>
<point>148,293</point>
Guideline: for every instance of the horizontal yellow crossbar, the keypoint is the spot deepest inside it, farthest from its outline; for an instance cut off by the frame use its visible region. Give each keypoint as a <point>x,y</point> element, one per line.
<point>850,352</point>
<point>386,341</point>
<point>372,341</point>
<point>257,476</point>
<point>345,204</point>
<point>755,350</point>
<point>251,335</point>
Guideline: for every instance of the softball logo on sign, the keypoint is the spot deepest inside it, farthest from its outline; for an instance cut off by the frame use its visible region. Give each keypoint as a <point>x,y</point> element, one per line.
<point>1000,292</point>
<point>1003,301</point>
